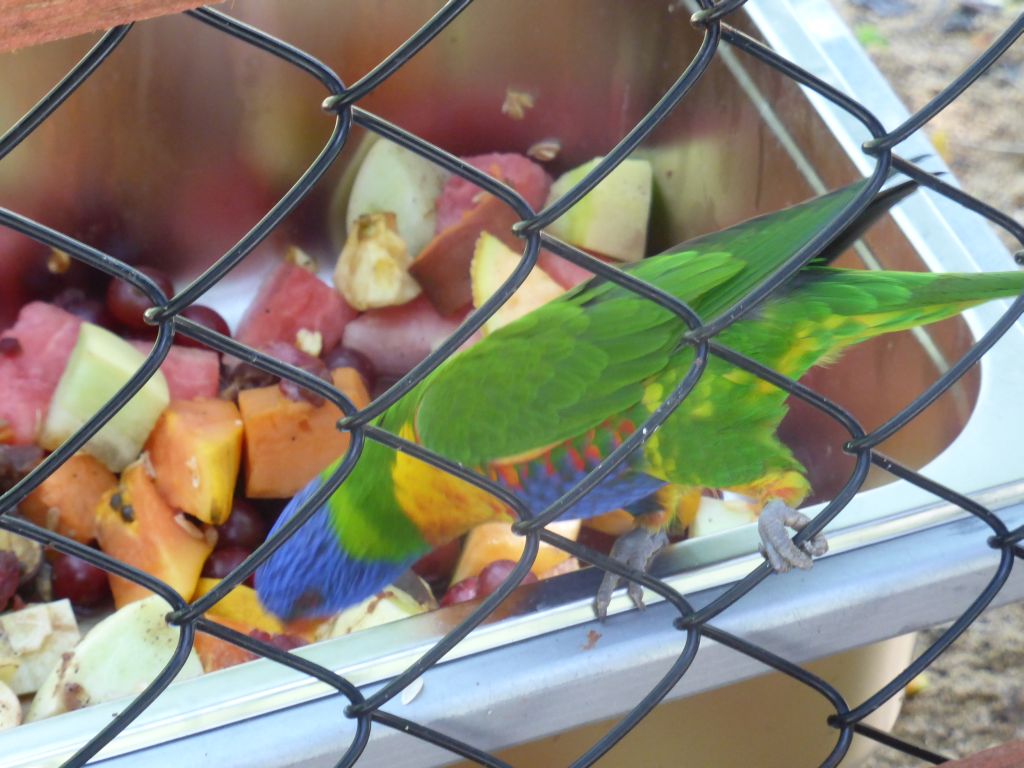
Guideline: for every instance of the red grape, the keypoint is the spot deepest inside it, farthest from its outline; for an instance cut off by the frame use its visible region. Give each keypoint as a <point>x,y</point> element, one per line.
<point>10,346</point>
<point>271,509</point>
<point>281,642</point>
<point>343,357</point>
<point>223,561</point>
<point>495,574</point>
<point>245,528</point>
<point>464,590</point>
<point>206,317</point>
<point>436,567</point>
<point>78,303</point>
<point>127,303</point>
<point>287,353</point>
<point>10,575</point>
<point>16,461</point>
<point>48,274</point>
<point>79,581</point>
<point>484,584</point>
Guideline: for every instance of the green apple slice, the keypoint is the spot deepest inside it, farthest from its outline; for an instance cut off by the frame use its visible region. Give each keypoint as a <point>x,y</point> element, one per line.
<point>99,365</point>
<point>612,218</point>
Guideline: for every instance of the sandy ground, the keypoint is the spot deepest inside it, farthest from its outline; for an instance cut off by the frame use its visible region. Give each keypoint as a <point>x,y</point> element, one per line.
<point>973,696</point>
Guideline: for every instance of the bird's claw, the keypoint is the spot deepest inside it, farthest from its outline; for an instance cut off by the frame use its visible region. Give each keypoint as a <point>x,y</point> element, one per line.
<point>635,550</point>
<point>776,545</point>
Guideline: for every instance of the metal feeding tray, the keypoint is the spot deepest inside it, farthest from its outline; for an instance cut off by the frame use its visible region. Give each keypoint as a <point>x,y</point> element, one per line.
<point>184,138</point>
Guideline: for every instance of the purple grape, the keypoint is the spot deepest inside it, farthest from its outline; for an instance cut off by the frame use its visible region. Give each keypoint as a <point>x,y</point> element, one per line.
<point>245,528</point>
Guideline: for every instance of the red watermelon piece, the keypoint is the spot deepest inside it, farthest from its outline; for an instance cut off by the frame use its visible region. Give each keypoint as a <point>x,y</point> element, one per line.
<point>28,377</point>
<point>290,299</point>
<point>190,372</point>
<point>518,171</point>
<point>396,338</point>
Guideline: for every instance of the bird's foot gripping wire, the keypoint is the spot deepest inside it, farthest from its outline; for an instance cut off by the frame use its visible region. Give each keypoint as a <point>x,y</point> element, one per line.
<point>634,549</point>
<point>776,544</point>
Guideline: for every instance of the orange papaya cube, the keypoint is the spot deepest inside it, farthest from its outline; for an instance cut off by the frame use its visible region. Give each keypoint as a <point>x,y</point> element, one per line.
<point>289,442</point>
<point>135,525</point>
<point>614,523</point>
<point>66,501</point>
<point>215,653</point>
<point>240,605</point>
<point>496,541</point>
<point>195,451</point>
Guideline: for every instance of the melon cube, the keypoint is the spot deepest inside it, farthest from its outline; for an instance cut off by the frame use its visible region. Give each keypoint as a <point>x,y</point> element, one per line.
<point>99,365</point>
<point>190,372</point>
<point>46,334</point>
<point>460,195</point>
<point>289,442</point>
<point>396,338</point>
<point>137,526</point>
<point>290,300</point>
<point>195,451</point>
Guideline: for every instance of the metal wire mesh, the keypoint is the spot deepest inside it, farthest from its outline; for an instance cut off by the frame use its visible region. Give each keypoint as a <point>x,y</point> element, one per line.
<point>343,102</point>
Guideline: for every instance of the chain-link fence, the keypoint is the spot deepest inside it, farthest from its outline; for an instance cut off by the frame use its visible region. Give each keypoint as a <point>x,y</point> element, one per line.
<point>342,102</point>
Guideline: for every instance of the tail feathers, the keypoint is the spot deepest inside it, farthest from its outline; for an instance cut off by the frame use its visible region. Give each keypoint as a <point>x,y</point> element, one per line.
<point>870,303</point>
<point>311,576</point>
<point>883,201</point>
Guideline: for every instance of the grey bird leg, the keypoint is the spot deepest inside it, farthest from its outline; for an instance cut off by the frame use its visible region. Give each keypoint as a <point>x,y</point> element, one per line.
<point>635,549</point>
<point>776,545</point>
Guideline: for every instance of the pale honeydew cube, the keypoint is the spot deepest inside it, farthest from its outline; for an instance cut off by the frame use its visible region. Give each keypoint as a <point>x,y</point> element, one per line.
<point>32,643</point>
<point>718,515</point>
<point>99,365</point>
<point>612,218</point>
<point>10,708</point>
<point>118,658</point>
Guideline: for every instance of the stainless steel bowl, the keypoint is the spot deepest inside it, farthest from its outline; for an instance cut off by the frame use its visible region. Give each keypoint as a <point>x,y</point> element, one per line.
<point>184,138</point>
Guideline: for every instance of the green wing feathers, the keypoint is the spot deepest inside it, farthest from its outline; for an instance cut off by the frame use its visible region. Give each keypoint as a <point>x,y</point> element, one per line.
<point>586,356</point>
<point>559,371</point>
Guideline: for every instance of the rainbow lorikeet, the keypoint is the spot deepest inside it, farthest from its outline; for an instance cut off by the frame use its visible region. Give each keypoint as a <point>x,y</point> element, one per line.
<point>541,401</point>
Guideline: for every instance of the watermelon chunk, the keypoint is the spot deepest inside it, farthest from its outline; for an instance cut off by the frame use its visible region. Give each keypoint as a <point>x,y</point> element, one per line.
<point>190,372</point>
<point>396,338</point>
<point>292,299</point>
<point>518,171</point>
<point>28,377</point>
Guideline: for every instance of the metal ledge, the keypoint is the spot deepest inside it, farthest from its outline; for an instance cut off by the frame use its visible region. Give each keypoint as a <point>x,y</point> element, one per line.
<point>858,597</point>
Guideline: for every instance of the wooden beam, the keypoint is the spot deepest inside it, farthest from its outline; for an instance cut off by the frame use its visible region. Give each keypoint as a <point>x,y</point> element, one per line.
<point>30,22</point>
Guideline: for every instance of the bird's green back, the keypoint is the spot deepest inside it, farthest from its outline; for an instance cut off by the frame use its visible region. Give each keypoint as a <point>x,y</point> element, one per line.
<point>585,357</point>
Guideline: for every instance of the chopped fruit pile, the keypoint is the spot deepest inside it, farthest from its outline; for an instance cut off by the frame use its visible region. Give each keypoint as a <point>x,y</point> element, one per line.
<point>185,481</point>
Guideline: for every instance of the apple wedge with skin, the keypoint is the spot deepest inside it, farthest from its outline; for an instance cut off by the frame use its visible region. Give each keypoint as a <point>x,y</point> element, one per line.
<point>612,218</point>
<point>118,658</point>
<point>393,179</point>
